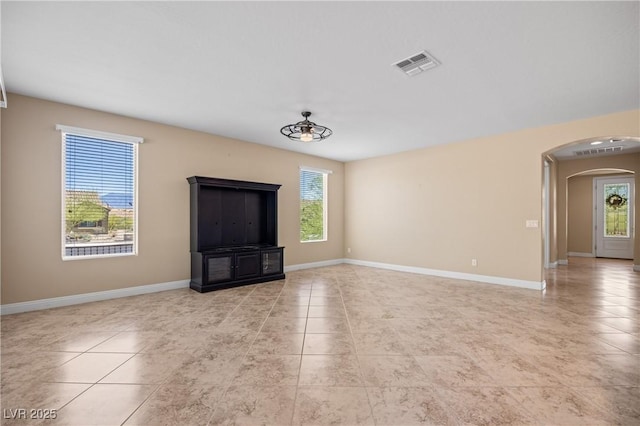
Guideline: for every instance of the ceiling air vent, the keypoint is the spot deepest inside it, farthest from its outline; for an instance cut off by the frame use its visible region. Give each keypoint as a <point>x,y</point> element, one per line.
<point>417,63</point>
<point>596,151</point>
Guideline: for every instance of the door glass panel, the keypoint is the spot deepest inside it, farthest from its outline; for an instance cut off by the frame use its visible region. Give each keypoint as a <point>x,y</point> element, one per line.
<point>616,210</point>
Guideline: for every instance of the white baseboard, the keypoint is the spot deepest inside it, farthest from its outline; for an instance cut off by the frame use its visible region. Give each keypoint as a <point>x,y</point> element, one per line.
<point>76,299</point>
<point>56,302</point>
<point>636,268</point>
<point>578,254</point>
<point>563,262</point>
<point>553,265</point>
<point>300,266</point>
<point>533,285</point>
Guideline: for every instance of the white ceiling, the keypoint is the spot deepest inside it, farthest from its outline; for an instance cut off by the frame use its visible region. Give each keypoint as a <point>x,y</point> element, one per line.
<point>245,69</point>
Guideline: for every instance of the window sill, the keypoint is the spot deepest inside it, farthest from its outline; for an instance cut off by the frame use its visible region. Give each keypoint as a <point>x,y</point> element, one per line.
<point>97,256</point>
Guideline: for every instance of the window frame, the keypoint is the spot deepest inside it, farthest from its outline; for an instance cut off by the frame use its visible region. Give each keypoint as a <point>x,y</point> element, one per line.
<point>135,141</point>
<point>325,203</point>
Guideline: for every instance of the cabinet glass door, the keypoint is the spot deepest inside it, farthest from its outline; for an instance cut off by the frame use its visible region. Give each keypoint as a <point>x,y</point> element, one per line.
<point>271,262</point>
<point>219,268</point>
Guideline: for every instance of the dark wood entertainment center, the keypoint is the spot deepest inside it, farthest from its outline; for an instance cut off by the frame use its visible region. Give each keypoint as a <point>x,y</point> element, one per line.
<point>234,233</point>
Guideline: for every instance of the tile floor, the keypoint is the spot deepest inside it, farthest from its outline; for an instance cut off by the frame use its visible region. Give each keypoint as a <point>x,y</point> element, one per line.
<point>338,345</point>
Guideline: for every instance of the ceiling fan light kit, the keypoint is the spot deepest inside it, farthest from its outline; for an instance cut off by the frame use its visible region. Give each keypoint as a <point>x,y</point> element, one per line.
<point>305,130</point>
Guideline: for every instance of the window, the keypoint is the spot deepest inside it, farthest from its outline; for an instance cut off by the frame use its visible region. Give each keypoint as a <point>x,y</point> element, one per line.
<point>313,204</point>
<point>99,200</point>
<point>616,210</point>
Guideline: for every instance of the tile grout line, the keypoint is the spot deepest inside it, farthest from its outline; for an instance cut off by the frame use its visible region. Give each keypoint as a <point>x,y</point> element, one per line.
<point>166,379</point>
<point>230,380</point>
<point>91,385</point>
<point>98,381</point>
<point>155,391</point>
<point>362,376</point>
<point>157,388</point>
<point>304,337</point>
<point>229,383</point>
<point>577,323</point>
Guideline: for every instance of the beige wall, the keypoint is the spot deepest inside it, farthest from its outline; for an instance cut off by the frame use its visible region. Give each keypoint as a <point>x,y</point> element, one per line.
<point>440,207</point>
<point>31,212</point>
<point>1,300</point>
<point>566,169</point>
<point>553,212</point>
<point>434,208</point>
<point>580,214</point>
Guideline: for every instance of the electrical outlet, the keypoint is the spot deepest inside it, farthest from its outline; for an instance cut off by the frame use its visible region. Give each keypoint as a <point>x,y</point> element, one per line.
<point>474,262</point>
<point>349,250</point>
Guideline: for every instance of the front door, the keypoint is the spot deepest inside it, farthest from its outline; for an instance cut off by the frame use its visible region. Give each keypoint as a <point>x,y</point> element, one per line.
<point>614,217</point>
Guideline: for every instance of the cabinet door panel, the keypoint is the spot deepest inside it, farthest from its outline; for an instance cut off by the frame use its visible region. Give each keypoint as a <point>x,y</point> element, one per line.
<point>271,262</point>
<point>247,265</point>
<point>209,214</point>
<point>255,217</point>
<point>233,218</point>
<point>219,268</point>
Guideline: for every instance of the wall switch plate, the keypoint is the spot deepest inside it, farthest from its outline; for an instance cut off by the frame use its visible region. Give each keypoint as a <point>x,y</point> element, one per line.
<point>474,262</point>
<point>531,223</point>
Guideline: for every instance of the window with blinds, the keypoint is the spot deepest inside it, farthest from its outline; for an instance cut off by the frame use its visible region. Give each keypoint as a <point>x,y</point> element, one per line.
<point>99,216</point>
<point>313,205</point>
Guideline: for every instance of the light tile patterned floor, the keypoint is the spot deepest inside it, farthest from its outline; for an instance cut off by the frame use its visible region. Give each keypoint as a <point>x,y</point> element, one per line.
<point>338,345</point>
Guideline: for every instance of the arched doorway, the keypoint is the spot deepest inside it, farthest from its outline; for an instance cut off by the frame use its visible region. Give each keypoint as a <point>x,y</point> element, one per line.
<point>559,169</point>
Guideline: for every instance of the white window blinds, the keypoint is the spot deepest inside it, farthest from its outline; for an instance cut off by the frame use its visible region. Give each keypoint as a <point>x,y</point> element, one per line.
<point>313,205</point>
<point>99,194</point>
